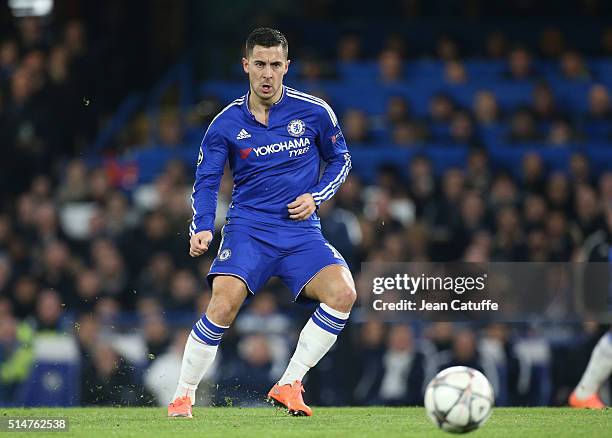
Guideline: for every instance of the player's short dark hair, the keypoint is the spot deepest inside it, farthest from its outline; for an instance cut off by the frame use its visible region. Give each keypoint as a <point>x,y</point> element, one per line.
<point>266,37</point>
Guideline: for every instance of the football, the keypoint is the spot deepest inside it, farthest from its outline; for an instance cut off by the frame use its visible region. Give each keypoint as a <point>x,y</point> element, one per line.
<point>459,399</point>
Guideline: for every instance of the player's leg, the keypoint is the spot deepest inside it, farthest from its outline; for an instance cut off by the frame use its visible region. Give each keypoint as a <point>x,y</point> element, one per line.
<point>334,288</point>
<point>597,372</point>
<point>243,264</point>
<point>318,272</point>
<point>228,294</point>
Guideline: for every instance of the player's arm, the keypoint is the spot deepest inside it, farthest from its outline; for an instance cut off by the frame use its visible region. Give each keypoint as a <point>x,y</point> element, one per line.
<point>334,152</point>
<point>211,162</point>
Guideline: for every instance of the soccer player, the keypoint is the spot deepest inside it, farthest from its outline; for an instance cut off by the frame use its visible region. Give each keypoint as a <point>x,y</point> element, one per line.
<point>274,138</point>
<point>597,372</point>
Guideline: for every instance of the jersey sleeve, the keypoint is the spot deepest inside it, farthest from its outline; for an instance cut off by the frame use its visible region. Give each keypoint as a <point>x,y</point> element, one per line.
<point>211,163</point>
<point>334,152</point>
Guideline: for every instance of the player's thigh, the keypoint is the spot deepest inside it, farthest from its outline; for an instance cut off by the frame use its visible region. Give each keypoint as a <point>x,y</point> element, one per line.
<point>228,294</point>
<point>332,285</point>
<point>244,256</point>
<point>314,257</point>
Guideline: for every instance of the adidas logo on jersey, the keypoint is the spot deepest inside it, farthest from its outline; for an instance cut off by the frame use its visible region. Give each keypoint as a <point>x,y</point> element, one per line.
<point>242,135</point>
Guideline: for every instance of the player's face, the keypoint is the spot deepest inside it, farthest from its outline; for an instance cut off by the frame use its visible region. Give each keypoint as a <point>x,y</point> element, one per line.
<point>266,67</point>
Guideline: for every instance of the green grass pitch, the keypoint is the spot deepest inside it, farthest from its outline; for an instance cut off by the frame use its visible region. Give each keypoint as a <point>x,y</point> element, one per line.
<point>326,422</point>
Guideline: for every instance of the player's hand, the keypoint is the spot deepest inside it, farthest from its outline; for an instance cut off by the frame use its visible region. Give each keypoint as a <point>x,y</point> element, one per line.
<point>302,207</point>
<point>198,244</point>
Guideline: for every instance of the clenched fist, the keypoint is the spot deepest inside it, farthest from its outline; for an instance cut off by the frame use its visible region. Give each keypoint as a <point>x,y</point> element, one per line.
<point>198,244</point>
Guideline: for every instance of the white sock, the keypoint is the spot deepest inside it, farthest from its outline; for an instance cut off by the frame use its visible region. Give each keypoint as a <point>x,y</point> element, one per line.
<point>196,361</point>
<point>598,370</point>
<point>314,342</point>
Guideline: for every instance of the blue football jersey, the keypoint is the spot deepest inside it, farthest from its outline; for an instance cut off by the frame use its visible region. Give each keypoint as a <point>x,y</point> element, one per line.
<point>271,165</point>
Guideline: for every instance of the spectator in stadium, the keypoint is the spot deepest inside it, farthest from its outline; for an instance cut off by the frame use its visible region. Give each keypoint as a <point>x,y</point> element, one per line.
<point>154,280</point>
<point>445,217</point>
<point>390,67</point>
<point>573,67</point>
<point>523,127</point>
<point>50,318</point>
<point>462,130</point>
<point>597,122</point>
<point>496,343</point>
<point>371,341</point>
<point>473,216</point>
<point>605,188</point>
<point>589,218</point>
<point>25,290</point>
<point>355,127</point>
<point>464,352</point>
<point>397,111</point>
<point>478,174</point>
<point>88,291</point>
<point>558,192</point>
<point>16,355</point>
<point>447,49</point>
<point>504,192</point>
<point>110,381</point>
<point>349,48</point>
<point>408,133</point>
<point>534,211</point>
<point>343,228</point>
<point>599,103</point>
<point>561,243</point>
<point>561,132</point>
<point>533,176</point>
<point>421,183</point>
<point>55,268</point>
<point>509,240</point>
<point>580,170</point>
<point>74,187</point>
<point>441,109</point>
<point>9,54</point>
<point>394,376</point>
<point>543,103</point>
<point>156,335</point>
<point>551,42</point>
<point>170,132</point>
<point>496,45</point>
<point>252,368</point>
<point>183,292</point>
<point>485,109</point>
<point>520,64</point>
<point>110,266</point>
<point>455,73</point>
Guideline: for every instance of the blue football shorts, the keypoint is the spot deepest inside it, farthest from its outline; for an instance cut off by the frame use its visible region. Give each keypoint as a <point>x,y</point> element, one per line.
<point>254,252</point>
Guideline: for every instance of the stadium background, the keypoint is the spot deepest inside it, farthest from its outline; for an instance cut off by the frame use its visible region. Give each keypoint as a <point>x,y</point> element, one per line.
<point>478,132</point>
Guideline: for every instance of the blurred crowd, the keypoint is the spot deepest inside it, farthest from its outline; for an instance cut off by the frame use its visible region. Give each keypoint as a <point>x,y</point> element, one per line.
<point>83,258</point>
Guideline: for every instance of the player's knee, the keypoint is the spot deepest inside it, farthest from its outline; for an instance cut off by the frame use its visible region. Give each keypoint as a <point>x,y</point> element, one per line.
<point>342,298</point>
<point>222,312</point>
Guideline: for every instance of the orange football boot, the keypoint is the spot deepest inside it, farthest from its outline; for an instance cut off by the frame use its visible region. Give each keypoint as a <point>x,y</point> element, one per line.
<point>290,396</point>
<point>592,402</point>
<point>181,407</point>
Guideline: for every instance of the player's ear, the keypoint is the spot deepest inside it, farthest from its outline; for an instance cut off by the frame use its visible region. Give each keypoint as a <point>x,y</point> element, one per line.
<point>287,65</point>
<point>245,65</point>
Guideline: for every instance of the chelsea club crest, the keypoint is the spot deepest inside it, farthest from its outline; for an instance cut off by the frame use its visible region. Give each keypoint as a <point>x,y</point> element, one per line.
<point>296,127</point>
